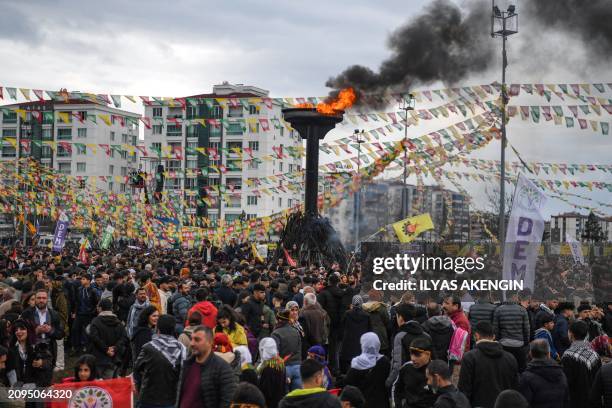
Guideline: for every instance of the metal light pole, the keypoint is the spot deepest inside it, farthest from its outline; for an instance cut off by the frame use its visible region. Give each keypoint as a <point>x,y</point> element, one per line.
<point>357,209</point>
<point>406,105</point>
<point>503,24</point>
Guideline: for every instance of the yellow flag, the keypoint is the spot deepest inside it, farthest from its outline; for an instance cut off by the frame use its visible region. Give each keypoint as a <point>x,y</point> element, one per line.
<point>408,229</point>
<point>105,118</point>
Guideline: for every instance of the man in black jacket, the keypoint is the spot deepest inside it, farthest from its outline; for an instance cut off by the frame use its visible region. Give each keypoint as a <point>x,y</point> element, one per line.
<point>206,380</point>
<point>47,325</point>
<point>409,390</point>
<point>439,381</point>
<point>86,301</point>
<point>487,370</point>
<point>482,310</point>
<point>601,391</point>
<point>108,339</point>
<point>330,300</point>
<point>313,395</point>
<point>511,324</point>
<point>157,368</point>
<point>225,293</point>
<point>543,383</point>
<point>253,309</point>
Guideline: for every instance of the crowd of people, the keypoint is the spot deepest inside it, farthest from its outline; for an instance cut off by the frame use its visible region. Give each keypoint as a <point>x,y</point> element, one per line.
<point>216,327</point>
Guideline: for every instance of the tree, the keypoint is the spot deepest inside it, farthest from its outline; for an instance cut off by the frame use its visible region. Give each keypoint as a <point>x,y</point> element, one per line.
<point>493,196</point>
<point>592,230</point>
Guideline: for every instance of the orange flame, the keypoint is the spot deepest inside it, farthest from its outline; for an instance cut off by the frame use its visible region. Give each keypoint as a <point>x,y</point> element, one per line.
<point>345,99</point>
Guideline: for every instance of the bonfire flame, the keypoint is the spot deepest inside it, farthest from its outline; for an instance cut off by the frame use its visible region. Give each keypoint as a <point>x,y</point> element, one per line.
<point>345,99</point>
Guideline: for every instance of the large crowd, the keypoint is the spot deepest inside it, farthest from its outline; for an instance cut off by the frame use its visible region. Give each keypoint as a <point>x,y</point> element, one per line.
<point>217,327</point>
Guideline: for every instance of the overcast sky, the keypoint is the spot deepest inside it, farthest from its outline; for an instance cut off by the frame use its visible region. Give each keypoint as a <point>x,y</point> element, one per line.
<point>291,48</point>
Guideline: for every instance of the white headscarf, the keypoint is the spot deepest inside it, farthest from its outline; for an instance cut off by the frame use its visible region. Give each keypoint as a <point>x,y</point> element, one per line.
<point>370,347</point>
<point>245,355</point>
<point>267,348</point>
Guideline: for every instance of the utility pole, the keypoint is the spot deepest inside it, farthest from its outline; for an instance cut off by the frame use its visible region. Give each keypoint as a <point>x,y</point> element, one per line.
<point>357,209</point>
<point>503,24</point>
<point>407,105</point>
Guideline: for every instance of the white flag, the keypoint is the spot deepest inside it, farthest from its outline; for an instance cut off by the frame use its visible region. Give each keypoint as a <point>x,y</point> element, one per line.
<point>576,249</point>
<point>524,233</point>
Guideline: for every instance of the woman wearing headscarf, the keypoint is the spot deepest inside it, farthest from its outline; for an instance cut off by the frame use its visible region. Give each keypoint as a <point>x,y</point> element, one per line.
<point>356,323</point>
<point>223,348</point>
<point>369,371</point>
<point>271,371</point>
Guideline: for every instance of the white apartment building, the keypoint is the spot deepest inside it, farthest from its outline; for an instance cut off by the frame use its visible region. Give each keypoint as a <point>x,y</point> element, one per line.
<point>574,224</point>
<point>175,127</point>
<point>71,122</point>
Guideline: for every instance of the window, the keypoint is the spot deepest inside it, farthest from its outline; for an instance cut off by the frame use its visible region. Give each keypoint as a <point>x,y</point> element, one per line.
<point>111,169</point>
<point>190,183</point>
<point>64,134</point>
<point>233,164</point>
<point>251,200</point>
<point>192,112</point>
<point>174,147</point>
<point>157,129</point>
<point>280,201</point>
<point>112,136</point>
<point>214,145</point>
<point>9,133</point>
<point>215,131</point>
<point>110,186</point>
<point>173,183</point>
<point>280,166</point>
<point>192,164</point>
<point>112,153</point>
<point>8,151</point>
<point>253,165</point>
<point>216,112</point>
<point>235,112</point>
<point>124,154</point>
<point>174,165</point>
<point>174,130</point>
<point>290,202</point>
<point>9,117</point>
<point>157,112</point>
<point>253,110</point>
<point>192,145</point>
<point>124,171</point>
<point>156,147</point>
<point>213,181</point>
<point>254,146</point>
<point>81,149</point>
<point>62,152</point>
<point>64,168</point>
<point>47,153</point>
<point>234,145</point>
<point>133,140</point>
<point>192,131</point>
<point>124,138</point>
<point>235,182</point>
<point>83,116</point>
<point>64,115</point>
<point>81,167</point>
<point>46,134</point>
<point>122,188</point>
<point>282,131</point>
<point>82,133</point>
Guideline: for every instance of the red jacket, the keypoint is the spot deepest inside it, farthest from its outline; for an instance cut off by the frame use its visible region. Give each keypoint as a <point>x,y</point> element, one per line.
<point>461,320</point>
<point>208,312</point>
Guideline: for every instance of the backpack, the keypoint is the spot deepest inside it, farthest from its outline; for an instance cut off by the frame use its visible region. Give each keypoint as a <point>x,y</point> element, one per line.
<point>457,344</point>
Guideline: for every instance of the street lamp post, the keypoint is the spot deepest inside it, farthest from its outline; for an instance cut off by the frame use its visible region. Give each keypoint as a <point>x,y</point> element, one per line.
<point>357,209</point>
<point>406,105</point>
<point>503,24</point>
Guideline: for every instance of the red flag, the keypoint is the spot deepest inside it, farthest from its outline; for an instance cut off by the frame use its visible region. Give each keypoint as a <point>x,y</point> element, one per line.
<point>290,260</point>
<point>14,255</point>
<point>116,392</point>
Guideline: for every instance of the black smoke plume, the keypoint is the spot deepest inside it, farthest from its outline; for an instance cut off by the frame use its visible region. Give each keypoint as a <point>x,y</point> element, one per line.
<point>443,44</point>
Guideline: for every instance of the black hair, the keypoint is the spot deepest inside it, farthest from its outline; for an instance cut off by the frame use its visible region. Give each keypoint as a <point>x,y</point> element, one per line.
<point>201,294</point>
<point>247,393</point>
<point>440,368</point>
<point>353,395</point>
<point>166,324</point>
<point>105,305</point>
<point>455,300</point>
<point>565,306</point>
<point>539,348</point>
<point>195,318</point>
<point>406,311</point>
<point>143,318</point>
<point>3,351</point>
<point>579,329</point>
<point>309,368</point>
<point>90,361</point>
<point>226,313</point>
<point>484,329</point>
<point>204,329</point>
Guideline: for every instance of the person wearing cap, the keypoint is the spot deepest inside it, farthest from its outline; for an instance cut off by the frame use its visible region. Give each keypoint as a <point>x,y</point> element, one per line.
<point>439,382</point>
<point>318,353</point>
<point>546,323</point>
<point>108,339</point>
<point>409,390</point>
<point>595,328</point>
<point>289,342</point>
<point>369,371</point>
<point>564,312</point>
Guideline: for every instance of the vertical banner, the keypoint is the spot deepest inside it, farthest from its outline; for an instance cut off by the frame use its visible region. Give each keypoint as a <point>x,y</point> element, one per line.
<point>524,233</point>
<point>61,229</point>
<point>576,249</point>
<point>107,237</point>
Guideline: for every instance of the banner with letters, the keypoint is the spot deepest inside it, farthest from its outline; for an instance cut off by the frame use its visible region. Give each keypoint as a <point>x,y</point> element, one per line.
<point>61,229</point>
<point>524,233</point>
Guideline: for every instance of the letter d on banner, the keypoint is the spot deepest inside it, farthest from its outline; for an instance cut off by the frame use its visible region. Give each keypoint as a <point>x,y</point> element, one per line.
<point>524,236</point>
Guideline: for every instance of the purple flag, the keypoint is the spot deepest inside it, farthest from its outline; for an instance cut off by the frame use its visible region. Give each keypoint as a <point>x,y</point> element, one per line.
<point>61,229</point>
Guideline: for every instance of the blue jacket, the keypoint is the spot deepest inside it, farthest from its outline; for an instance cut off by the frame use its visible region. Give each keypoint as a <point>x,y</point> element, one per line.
<point>542,333</point>
<point>559,334</point>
